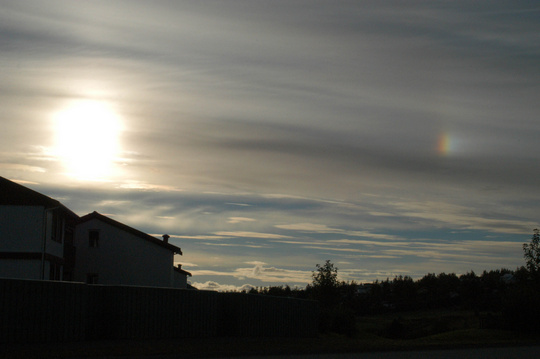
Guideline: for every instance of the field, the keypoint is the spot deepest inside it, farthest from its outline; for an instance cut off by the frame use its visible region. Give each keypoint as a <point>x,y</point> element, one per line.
<point>399,331</point>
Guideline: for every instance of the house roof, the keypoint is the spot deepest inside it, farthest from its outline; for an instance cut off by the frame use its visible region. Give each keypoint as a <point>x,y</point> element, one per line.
<point>136,232</point>
<point>180,270</point>
<point>14,194</point>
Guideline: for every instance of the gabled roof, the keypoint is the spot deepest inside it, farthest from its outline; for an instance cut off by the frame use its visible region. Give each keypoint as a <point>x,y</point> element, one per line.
<point>180,270</point>
<point>14,194</point>
<point>136,232</point>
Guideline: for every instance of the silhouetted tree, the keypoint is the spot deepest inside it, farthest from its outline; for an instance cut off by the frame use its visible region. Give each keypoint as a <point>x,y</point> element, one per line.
<point>325,284</point>
<point>348,293</point>
<point>254,290</point>
<point>520,306</point>
<point>470,291</point>
<point>531,252</point>
<point>521,274</point>
<point>325,276</point>
<point>404,293</point>
<point>335,316</point>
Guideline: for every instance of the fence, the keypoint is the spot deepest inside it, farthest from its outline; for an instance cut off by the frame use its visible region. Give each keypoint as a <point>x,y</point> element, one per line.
<point>43,311</point>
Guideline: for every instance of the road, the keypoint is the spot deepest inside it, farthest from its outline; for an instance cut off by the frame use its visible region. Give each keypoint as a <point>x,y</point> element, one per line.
<point>475,353</point>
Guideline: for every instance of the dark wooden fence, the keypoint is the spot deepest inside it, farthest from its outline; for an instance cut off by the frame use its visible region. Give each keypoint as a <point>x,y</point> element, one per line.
<point>46,311</point>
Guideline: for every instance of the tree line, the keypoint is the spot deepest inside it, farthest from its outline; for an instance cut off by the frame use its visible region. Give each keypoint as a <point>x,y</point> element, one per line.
<point>511,296</point>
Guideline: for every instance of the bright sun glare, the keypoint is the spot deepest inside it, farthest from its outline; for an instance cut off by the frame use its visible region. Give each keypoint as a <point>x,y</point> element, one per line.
<point>87,139</point>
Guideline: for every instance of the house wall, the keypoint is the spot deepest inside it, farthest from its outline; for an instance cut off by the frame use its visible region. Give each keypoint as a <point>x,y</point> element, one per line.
<point>26,242</point>
<point>21,228</point>
<point>55,248</point>
<point>121,257</point>
<point>180,280</point>
<point>20,268</point>
<point>21,242</point>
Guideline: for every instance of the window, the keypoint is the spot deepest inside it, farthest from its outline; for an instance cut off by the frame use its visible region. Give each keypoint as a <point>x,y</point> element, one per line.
<point>91,278</point>
<point>56,228</point>
<point>93,238</point>
<point>55,271</point>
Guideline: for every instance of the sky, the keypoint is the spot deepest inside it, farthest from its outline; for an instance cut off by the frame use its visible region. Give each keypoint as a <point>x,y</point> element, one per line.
<point>265,137</point>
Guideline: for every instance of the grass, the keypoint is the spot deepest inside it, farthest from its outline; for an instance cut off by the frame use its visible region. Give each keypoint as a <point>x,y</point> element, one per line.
<point>399,331</point>
<point>435,329</point>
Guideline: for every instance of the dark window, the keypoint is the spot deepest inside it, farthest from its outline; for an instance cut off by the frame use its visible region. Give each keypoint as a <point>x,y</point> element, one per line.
<point>54,271</point>
<point>56,228</point>
<point>91,278</point>
<point>93,238</point>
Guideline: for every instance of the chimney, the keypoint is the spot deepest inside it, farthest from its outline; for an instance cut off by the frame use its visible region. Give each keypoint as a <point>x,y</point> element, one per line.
<point>166,238</point>
<point>179,266</point>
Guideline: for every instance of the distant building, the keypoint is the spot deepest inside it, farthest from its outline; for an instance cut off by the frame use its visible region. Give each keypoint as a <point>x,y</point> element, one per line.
<point>180,277</point>
<point>36,234</point>
<point>42,239</point>
<point>109,252</point>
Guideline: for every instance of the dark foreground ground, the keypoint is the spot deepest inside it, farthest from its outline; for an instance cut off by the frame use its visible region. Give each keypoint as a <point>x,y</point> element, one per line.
<point>331,346</point>
<point>267,349</point>
<point>407,333</point>
<point>470,353</point>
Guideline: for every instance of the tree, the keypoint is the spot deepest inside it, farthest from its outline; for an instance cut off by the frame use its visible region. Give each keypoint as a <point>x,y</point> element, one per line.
<point>325,286</point>
<point>325,276</point>
<point>531,252</point>
<point>335,316</point>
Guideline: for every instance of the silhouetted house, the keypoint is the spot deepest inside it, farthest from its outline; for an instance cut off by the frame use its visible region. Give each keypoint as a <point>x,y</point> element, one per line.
<point>36,234</point>
<point>180,277</point>
<point>109,252</point>
<point>40,238</point>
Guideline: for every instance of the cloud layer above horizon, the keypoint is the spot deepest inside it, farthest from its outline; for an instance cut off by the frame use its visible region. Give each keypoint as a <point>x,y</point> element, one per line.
<point>266,137</point>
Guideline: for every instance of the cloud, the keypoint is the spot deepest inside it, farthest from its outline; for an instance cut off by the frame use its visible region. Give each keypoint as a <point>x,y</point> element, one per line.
<point>261,273</point>
<point>239,204</point>
<point>234,220</point>
<point>307,227</point>
<point>236,245</point>
<point>201,237</point>
<point>256,271</point>
<point>273,274</point>
<point>335,249</point>
<point>147,186</point>
<point>21,167</point>
<point>367,242</point>
<point>166,217</point>
<point>256,263</point>
<point>23,182</point>
<point>244,234</point>
<point>321,228</point>
<point>464,217</point>
<point>463,254</point>
<point>215,286</point>
<point>112,203</point>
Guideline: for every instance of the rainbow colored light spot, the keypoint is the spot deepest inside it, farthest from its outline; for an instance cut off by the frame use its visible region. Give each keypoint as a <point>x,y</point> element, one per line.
<point>445,144</point>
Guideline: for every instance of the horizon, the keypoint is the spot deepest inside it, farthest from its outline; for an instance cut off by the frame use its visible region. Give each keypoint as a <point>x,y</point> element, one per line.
<point>265,138</point>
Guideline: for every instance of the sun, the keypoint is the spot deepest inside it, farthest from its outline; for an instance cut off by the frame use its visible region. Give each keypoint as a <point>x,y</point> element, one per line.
<point>88,139</point>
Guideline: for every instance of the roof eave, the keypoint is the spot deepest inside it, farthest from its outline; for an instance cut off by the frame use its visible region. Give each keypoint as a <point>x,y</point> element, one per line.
<point>125,227</point>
